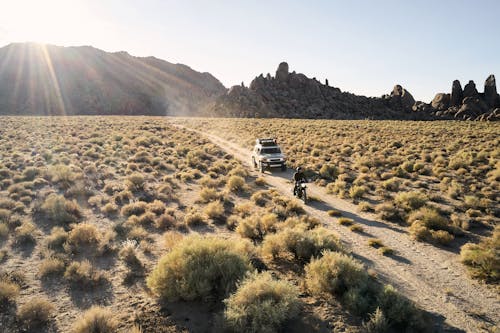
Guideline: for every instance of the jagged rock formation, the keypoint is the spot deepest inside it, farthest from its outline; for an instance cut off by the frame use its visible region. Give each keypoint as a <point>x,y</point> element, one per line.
<point>468,104</point>
<point>50,80</point>
<point>294,95</point>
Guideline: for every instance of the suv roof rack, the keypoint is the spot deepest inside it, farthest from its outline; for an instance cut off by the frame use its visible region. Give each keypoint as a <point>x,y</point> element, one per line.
<point>266,142</point>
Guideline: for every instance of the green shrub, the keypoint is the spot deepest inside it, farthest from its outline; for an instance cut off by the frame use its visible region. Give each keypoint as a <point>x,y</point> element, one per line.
<point>400,311</point>
<point>261,304</point>
<point>199,268</point>
<point>35,314</point>
<point>302,244</point>
<point>377,323</point>
<point>96,320</point>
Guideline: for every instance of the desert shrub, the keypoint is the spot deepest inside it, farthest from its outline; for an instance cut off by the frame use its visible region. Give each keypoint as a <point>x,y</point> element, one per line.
<point>83,275</point>
<point>260,181</point>
<point>214,210</point>
<point>96,320</point>
<point>356,228</point>
<point>430,218</point>
<point>375,242</point>
<point>83,235</point>
<point>302,244</point>
<point>399,311</point>
<point>235,183</point>
<point>57,238</point>
<point>345,221</point>
<point>109,209</point>
<point>62,175</point>
<point>51,267</point>
<point>377,322</point>
<point>260,197</point>
<point>410,200</point>
<point>356,192</point>
<point>482,259</point>
<point>128,253</point>
<point>59,210</point>
<point>165,221</point>
<point>334,213</point>
<point>442,237</point>
<point>25,233</point>
<point>385,250</point>
<point>157,207</point>
<point>255,227</point>
<point>329,171</point>
<point>388,211</point>
<point>208,194</point>
<point>200,267</point>
<point>4,230</point>
<point>8,293</point>
<point>135,182</point>
<point>134,208</point>
<point>391,184</point>
<point>261,304</point>
<point>335,273</point>
<point>193,219</point>
<point>35,314</point>
<point>5,215</point>
<point>146,219</point>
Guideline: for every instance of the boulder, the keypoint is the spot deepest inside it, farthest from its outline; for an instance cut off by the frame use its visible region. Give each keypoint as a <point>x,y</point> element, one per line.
<point>441,102</point>
<point>490,91</point>
<point>457,94</point>
<point>401,98</point>
<point>282,72</point>
<point>470,90</point>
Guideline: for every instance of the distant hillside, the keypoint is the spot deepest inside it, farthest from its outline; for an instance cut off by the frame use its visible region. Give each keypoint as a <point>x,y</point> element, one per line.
<point>50,80</point>
<point>293,95</point>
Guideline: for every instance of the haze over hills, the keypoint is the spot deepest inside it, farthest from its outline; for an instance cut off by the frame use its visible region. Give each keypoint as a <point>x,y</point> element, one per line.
<point>37,79</point>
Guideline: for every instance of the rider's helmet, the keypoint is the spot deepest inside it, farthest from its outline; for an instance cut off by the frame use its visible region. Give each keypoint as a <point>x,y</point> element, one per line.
<point>299,169</point>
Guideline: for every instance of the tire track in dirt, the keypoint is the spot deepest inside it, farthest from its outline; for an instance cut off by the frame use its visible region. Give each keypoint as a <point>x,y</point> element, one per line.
<point>432,277</point>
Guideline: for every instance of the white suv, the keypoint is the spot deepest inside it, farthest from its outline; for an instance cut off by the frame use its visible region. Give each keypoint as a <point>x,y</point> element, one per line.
<point>267,154</point>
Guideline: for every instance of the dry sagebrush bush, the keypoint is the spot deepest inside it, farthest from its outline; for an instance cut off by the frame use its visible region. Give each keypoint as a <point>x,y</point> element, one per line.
<point>35,314</point>
<point>236,183</point>
<point>302,244</point>
<point>8,293</point>
<point>84,275</point>
<point>83,236</point>
<point>482,259</point>
<point>96,320</point>
<point>51,267</point>
<point>199,268</point>
<point>214,210</point>
<point>261,304</point>
<point>59,210</point>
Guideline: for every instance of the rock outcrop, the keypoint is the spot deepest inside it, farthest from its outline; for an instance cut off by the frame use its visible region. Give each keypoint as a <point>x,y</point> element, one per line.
<point>294,95</point>
<point>457,94</point>
<point>468,104</point>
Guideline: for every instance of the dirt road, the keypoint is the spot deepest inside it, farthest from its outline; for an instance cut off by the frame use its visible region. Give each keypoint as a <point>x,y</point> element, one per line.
<point>432,277</point>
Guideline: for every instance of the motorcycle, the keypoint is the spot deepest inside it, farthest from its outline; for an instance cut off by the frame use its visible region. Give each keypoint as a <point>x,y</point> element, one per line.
<point>300,191</point>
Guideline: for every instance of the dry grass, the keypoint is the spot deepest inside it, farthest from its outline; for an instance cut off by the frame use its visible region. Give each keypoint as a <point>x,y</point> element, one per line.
<point>35,314</point>
<point>96,319</point>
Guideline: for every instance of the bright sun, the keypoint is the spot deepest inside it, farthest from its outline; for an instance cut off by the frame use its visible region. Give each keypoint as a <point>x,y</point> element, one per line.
<point>45,21</point>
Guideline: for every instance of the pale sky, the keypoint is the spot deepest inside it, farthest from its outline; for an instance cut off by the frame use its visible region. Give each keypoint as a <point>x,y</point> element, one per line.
<point>364,47</point>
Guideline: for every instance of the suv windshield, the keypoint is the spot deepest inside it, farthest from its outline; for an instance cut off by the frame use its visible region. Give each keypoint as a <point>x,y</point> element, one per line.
<point>274,150</point>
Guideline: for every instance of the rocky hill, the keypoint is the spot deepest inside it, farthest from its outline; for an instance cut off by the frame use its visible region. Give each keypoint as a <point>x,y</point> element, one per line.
<point>50,80</point>
<point>293,95</point>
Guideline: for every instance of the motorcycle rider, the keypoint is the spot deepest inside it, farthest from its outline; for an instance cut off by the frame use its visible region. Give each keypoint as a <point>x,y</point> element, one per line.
<point>298,178</point>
